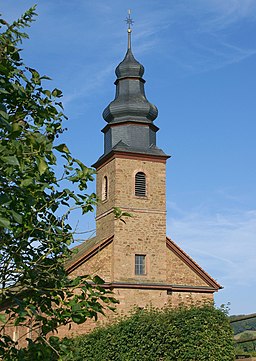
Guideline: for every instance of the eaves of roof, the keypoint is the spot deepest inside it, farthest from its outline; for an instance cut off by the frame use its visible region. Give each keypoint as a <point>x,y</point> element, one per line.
<point>159,286</point>
<point>153,155</point>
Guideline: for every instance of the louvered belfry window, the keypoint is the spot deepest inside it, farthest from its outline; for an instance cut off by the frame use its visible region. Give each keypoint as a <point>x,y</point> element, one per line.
<point>140,184</point>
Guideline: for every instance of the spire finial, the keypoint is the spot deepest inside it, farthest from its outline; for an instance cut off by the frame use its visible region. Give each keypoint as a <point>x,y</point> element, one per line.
<point>129,22</point>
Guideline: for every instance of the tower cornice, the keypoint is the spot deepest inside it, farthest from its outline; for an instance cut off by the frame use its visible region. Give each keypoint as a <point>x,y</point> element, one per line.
<point>102,161</point>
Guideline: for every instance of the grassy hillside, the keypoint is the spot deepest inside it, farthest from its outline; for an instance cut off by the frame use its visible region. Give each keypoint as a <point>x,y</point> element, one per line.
<point>245,333</point>
<point>241,324</point>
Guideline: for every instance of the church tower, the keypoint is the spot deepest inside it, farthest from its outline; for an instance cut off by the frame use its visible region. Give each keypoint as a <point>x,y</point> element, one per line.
<point>131,176</point>
<point>132,254</point>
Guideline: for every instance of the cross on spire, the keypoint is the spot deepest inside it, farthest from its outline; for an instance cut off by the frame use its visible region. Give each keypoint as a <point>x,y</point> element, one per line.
<point>129,22</point>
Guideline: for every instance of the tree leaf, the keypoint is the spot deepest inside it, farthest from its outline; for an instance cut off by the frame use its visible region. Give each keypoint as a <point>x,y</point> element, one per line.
<point>4,199</point>
<point>57,93</point>
<point>62,148</point>
<point>4,115</point>
<point>17,217</point>
<point>42,165</point>
<point>2,318</point>
<point>11,160</point>
<point>4,222</point>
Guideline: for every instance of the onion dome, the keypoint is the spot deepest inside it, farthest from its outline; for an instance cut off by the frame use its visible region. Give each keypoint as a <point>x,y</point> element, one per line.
<point>129,67</point>
<point>130,103</point>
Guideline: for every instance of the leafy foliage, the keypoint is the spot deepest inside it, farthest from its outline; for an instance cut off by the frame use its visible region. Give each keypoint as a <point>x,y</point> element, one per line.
<point>35,204</point>
<point>192,334</point>
<point>246,343</point>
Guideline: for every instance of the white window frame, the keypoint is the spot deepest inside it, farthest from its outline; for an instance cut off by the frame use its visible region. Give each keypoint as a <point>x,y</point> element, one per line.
<point>140,264</point>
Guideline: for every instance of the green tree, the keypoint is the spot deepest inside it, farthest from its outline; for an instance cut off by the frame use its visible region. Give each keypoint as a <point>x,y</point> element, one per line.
<point>35,204</point>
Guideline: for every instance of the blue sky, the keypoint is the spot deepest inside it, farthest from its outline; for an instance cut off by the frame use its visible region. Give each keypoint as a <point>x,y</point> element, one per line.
<point>200,61</point>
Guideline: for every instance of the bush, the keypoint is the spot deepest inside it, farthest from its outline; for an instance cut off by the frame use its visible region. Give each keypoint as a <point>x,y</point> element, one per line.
<point>194,333</point>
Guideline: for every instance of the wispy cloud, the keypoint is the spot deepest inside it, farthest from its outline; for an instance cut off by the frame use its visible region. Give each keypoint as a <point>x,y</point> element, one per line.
<point>224,243</point>
<point>209,34</point>
<point>89,84</point>
<point>223,14</point>
<point>214,55</point>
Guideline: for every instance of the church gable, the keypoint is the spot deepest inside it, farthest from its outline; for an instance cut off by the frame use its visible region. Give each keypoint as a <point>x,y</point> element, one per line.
<point>92,258</point>
<point>182,270</point>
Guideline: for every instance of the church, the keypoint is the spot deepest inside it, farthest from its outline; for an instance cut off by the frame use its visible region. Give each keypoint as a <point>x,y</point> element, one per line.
<point>137,261</point>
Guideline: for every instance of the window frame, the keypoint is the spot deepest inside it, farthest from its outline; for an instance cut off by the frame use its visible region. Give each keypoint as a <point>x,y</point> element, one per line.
<point>140,264</point>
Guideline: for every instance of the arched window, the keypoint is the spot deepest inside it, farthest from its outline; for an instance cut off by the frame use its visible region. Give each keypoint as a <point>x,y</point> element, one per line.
<point>140,184</point>
<point>105,188</point>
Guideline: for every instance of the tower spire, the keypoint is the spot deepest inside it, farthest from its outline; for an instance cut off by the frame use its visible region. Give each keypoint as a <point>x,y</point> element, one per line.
<point>130,115</point>
<point>129,22</point>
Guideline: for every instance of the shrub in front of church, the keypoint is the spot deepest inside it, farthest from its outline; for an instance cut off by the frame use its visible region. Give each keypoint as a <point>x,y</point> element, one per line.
<point>194,333</point>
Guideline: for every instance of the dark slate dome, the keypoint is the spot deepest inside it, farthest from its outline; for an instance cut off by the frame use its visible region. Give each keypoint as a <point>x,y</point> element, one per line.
<point>130,103</point>
<point>129,67</point>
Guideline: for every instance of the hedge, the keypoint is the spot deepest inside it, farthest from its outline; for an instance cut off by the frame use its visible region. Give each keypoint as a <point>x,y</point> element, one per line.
<point>184,334</point>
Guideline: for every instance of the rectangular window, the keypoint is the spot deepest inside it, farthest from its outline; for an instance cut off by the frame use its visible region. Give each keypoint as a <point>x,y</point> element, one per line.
<point>140,264</point>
